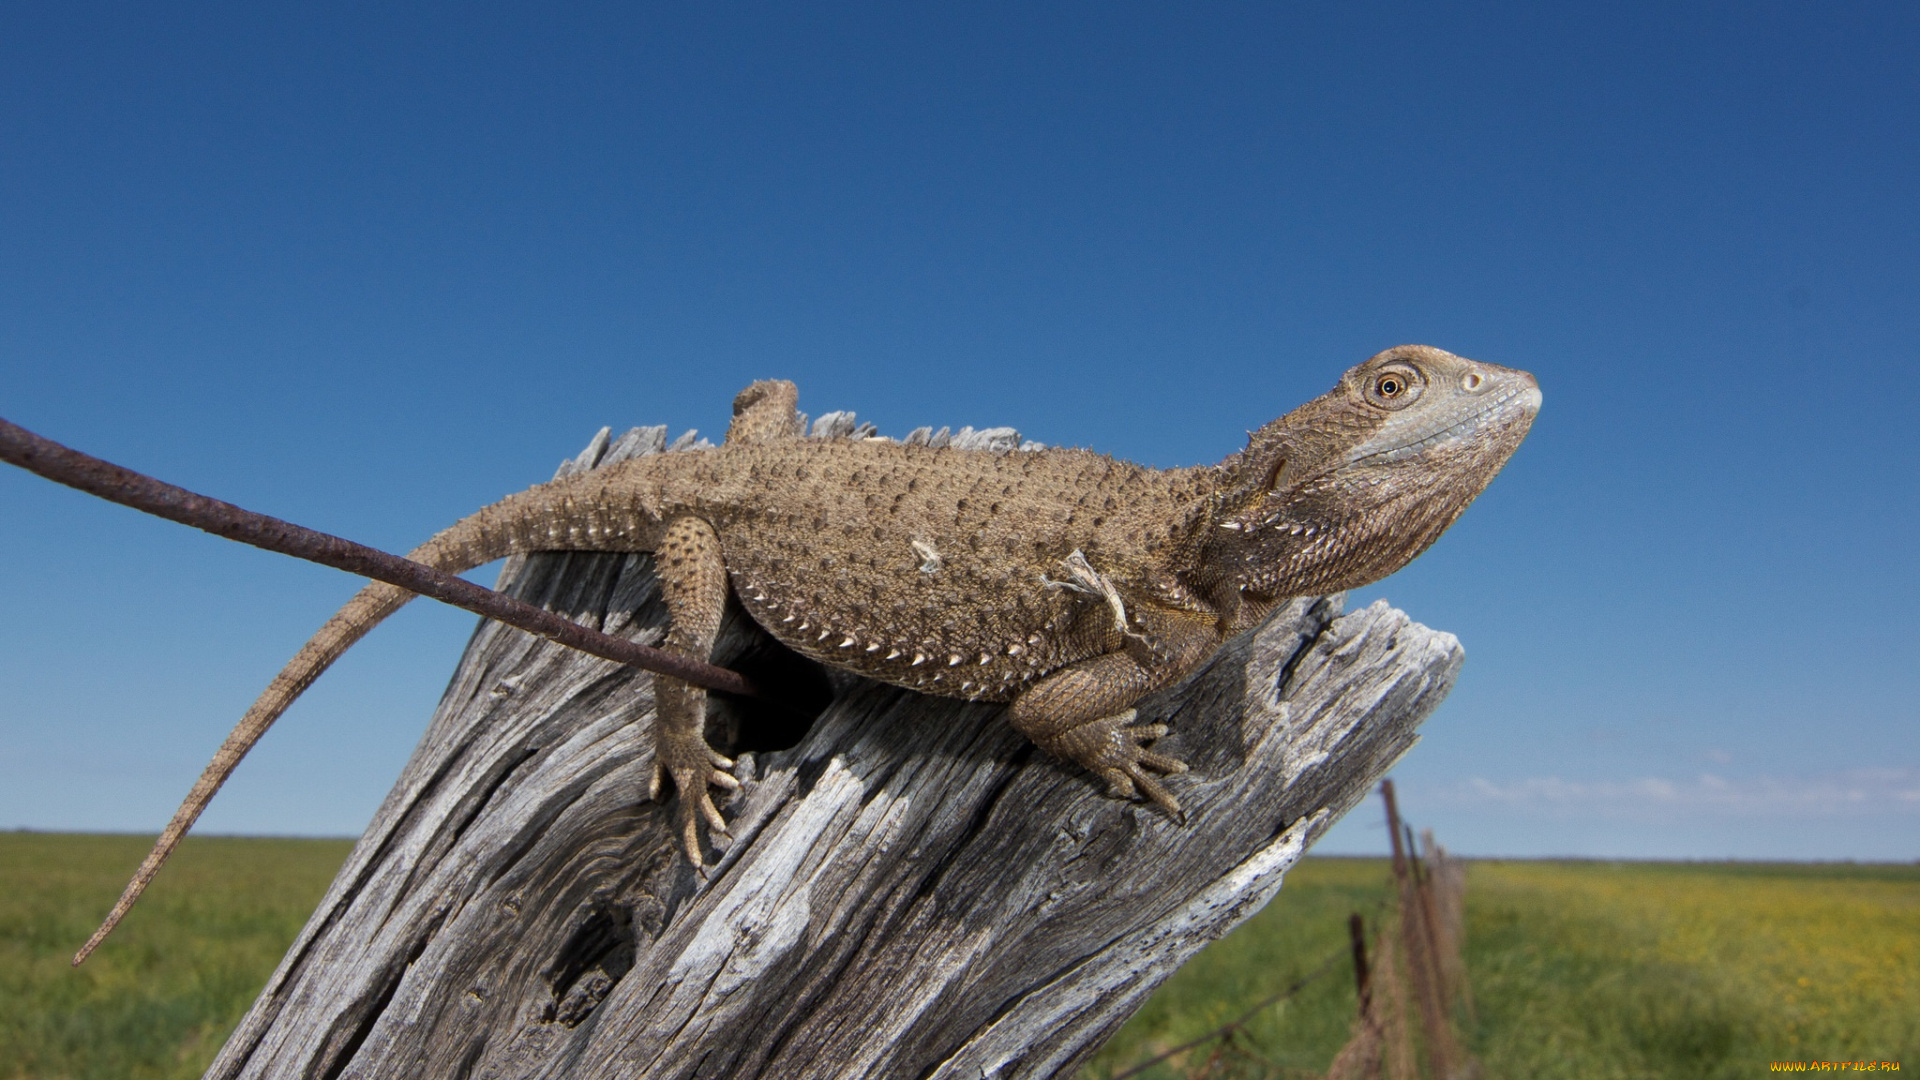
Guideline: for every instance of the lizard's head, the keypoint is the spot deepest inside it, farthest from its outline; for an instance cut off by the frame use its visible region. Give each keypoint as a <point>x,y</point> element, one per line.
<point>1351,486</point>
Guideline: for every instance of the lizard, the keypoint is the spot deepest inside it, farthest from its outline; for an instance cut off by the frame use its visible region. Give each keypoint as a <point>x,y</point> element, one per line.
<point>1063,582</point>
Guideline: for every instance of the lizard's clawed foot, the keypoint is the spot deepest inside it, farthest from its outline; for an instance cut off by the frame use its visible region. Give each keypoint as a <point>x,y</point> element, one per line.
<point>695,770</point>
<point>1114,748</point>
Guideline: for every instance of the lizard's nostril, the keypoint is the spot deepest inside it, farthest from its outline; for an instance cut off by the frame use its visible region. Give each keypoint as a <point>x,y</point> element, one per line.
<point>1473,382</point>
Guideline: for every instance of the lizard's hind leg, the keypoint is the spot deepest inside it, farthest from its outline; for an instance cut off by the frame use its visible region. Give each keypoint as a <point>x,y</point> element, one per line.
<point>693,578</point>
<point>1083,712</point>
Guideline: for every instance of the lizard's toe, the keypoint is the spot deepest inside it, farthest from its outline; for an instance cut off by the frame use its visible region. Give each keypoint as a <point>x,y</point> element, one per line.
<point>690,839</point>
<point>696,805</point>
<point>721,776</point>
<point>1171,766</point>
<point>1119,784</point>
<point>1128,780</point>
<point>658,784</point>
<point>694,782</point>
<point>711,812</point>
<point>1113,748</point>
<point>1156,791</point>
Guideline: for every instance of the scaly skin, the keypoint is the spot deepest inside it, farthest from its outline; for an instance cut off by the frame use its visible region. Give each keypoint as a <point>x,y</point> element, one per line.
<point>1062,581</point>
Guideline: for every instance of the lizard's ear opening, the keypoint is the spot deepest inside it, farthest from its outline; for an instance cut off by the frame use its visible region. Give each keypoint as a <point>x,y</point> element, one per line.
<point>797,692</point>
<point>1276,475</point>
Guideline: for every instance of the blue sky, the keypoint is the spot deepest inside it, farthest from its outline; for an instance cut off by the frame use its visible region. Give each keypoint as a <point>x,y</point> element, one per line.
<point>368,270</point>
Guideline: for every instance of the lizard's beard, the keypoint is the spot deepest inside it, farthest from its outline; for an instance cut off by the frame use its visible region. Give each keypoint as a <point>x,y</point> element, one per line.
<point>1363,521</point>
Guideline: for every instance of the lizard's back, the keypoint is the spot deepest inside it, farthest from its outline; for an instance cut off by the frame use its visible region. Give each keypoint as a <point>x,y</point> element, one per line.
<point>925,567</point>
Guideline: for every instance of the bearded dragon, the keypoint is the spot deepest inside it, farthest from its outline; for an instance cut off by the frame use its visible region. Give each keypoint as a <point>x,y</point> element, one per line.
<point>1063,582</point>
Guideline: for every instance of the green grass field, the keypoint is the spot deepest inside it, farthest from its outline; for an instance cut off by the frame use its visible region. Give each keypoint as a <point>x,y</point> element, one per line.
<point>1579,969</point>
<point>159,998</point>
<point>1702,970</point>
<point>1590,970</point>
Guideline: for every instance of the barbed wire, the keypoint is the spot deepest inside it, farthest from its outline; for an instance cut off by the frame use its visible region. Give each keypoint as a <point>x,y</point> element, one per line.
<point>1231,1026</point>
<point>1227,1029</point>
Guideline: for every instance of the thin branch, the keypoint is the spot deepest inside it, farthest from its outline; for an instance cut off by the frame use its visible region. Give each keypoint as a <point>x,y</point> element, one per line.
<point>114,483</point>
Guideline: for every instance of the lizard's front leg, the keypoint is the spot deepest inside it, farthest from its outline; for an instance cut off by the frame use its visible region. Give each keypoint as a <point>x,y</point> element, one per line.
<point>1083,712</point>
<point>693,578</point>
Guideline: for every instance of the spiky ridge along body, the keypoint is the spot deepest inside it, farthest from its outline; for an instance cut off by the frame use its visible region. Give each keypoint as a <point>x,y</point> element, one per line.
<point>1063,581</point>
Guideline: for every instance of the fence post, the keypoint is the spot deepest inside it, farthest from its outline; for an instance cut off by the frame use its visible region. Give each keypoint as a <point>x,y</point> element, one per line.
<point>1362,977</point>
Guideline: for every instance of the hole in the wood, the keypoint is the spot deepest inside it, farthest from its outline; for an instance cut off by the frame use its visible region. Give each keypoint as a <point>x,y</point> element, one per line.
<point>598,954</point>
<point>797,693</point>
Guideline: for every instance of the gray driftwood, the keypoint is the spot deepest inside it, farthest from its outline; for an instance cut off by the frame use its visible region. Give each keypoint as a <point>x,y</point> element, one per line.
<point>912,890</point>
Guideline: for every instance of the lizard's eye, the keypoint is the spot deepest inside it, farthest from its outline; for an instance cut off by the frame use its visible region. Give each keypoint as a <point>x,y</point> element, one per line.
<point>1394,388</point>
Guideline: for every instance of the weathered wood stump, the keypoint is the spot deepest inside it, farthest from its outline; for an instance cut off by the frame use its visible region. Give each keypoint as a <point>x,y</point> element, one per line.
<point>912,889</point>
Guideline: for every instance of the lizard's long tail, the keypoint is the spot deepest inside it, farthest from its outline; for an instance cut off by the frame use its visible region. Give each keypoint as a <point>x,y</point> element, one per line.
<point>565,514</point>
